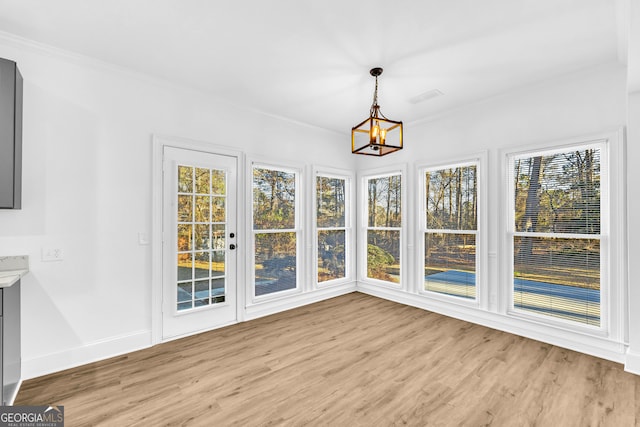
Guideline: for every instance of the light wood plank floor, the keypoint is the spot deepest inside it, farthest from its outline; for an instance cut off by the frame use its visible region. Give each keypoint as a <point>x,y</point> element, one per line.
<point>348,361</point>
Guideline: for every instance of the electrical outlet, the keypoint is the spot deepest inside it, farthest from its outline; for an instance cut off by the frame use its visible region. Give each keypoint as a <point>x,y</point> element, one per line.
<point>52,254</point>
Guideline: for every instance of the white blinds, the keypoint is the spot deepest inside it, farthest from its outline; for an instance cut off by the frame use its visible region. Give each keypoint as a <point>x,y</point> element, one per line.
<point>556,243</point>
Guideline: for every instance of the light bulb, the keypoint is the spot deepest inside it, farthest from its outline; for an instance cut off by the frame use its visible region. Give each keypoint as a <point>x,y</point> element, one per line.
<point>375,130</point>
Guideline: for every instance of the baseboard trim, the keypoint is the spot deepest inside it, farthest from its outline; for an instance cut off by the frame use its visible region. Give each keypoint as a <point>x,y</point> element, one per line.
<point>272,307</point>
<point>592,345</point>
<point>15,393</point>
<point>632,362</point>
<point>88,353</point>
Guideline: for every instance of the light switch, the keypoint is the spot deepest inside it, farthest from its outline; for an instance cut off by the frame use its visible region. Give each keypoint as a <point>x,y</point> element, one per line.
<point>143,239</point>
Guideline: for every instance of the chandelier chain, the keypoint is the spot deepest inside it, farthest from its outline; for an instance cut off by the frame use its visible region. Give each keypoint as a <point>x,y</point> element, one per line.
<point>375,93</point>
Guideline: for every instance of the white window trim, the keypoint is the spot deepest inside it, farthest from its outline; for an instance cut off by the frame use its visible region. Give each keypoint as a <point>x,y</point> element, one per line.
<point>612,301</point>
<point>482,293</point>
<point>405,248</point>
<point>299,171</point>
<point>350,244</point>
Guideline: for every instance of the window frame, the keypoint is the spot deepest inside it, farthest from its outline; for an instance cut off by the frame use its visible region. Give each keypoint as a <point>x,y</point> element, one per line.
<point>363,225</point>
<point>481,299</point>
<point>508,306</point>
<point>298,229</point>
<point>348,177</point>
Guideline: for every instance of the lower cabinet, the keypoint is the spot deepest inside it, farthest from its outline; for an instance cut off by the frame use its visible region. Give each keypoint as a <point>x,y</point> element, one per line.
<point>10,341</point>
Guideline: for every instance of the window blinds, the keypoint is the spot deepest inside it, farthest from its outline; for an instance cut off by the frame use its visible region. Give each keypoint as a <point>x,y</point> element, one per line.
<point>556,243</point>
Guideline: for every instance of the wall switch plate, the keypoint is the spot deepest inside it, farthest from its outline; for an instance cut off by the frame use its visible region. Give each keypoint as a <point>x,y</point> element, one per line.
<point>52,254</point>
<point>143,239</point>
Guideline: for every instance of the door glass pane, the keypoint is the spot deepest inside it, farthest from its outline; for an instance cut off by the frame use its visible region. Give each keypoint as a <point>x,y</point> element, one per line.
<point>218,182</point>
<point>185,266</point>
<point>217,291</point>
<point>202,239</point>
<point>202,208</point>
<point>185,208</point>
<point>185,305</point>
<point>217,263</point>
<point>218,213</point>
<point>331,256</point>
<point>201,243</point>
<point>185,237</point>
<point>202,180</point>
<point>275,262</point>
<point>185,292</point>
<point>201,265</point>
<point>185,179</point>
<point>218,236</point>
<point>383,255</point>
<point>201,292</point>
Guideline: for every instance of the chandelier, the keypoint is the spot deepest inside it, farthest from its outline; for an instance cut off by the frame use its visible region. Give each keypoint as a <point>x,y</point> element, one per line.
<point>376,135</point>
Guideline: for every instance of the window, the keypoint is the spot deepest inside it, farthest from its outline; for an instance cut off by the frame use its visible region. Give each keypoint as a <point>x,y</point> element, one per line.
<point>384,226</point>
<point>556,233</point>
<point>450,230</point>
<point>332,232</point>
<point>275,229</point>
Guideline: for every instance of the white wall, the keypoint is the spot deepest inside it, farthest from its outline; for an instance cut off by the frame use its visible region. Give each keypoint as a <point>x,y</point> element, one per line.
<point>633,207</point>
<point>584,103</point>
<point>633,190</point>
<point>87,153</point>
<point>87,182</point>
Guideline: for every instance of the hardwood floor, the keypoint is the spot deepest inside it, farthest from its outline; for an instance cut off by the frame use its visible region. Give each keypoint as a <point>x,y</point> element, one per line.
<point>348,361</point>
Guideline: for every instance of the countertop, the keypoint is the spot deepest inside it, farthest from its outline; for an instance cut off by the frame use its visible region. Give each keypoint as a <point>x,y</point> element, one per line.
<point>12,269</point>
<point>9,277</point>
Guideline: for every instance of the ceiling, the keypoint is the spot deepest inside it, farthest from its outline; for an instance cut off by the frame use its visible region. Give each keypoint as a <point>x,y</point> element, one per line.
<point>309,61</point>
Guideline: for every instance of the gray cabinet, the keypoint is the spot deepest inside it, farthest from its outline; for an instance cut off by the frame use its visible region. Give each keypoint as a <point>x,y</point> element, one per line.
<point>10,354</point>
<point>10,135</point>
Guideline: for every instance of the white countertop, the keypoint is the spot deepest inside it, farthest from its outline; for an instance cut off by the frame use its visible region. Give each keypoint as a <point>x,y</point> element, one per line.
<point>10,277</point>
<point>12,269</point>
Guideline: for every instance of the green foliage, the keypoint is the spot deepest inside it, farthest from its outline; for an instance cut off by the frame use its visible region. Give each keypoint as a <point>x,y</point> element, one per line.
<point>378,262</point>
<point>376,256</point>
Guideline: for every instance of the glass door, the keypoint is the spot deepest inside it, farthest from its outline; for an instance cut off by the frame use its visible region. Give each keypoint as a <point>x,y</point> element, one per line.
<point>199,256</point>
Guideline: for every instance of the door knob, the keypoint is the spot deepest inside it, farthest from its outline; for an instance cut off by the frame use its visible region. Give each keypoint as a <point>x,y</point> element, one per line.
<point>232,246</point>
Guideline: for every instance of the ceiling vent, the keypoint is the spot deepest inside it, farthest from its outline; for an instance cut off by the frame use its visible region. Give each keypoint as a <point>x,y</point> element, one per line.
<point>430,94</point>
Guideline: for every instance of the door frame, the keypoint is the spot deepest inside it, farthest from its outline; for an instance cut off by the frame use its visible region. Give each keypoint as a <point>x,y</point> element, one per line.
<point>158,144</point>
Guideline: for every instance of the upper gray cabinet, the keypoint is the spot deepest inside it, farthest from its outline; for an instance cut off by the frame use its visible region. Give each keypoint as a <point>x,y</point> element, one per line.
<point>10,135</point>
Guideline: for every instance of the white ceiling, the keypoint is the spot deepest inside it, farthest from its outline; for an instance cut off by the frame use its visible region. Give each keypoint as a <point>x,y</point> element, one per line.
<point>309,60</point>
